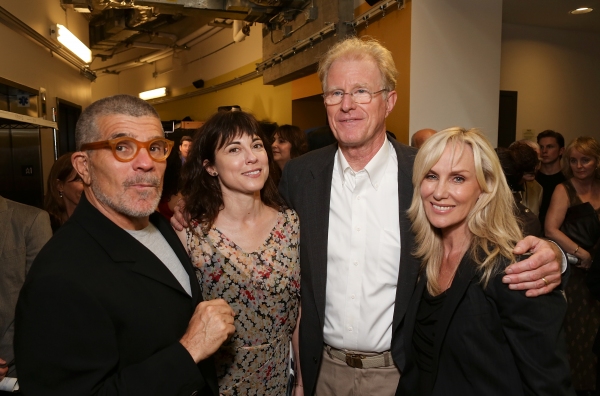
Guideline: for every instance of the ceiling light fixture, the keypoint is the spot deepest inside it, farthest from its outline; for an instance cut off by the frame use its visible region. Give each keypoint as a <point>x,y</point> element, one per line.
<point>153,93</point>
<point>581,10</point>
<point>71,42</point>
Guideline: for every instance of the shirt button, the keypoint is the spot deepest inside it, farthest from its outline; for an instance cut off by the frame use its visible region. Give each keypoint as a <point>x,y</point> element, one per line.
<point>349,328</point>
<point>357,228</point>
<point>352,297</point>
<point>358,198</point>
<point>356,263</point>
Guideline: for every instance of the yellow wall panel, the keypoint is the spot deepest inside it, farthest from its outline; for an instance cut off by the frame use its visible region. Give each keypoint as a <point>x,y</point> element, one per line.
<point>266,102</point>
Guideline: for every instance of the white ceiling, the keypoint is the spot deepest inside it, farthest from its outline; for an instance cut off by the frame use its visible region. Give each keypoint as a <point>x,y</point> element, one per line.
<point>552,14</point>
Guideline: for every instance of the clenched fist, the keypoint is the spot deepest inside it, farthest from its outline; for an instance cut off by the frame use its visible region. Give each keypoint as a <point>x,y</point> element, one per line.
<point>210,326</point>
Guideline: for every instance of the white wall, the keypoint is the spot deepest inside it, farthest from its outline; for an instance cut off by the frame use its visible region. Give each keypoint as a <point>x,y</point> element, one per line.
<point>455,65</point>
<point>557,76</point>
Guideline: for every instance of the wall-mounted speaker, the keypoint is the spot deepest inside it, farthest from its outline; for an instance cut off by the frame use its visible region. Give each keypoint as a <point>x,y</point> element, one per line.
<point>198,83</point>
<point>372,2</point>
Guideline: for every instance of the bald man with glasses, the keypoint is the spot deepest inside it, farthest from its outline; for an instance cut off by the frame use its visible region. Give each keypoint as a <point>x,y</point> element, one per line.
<point>111,304</point>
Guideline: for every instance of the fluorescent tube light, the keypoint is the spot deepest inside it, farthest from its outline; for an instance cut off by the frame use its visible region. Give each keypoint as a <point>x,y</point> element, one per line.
<point>581,10</point>
<point>72,43</point>
<point>153,93</point>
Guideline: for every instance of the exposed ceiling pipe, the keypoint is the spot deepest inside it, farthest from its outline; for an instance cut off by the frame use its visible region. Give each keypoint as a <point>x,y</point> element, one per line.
<point>200,35</point>
<point>203,91</point>
<point>238,31</point>
<point>142,44</point>
<point>136,62</point>
<point>187,39</point>
<point>205,36</point>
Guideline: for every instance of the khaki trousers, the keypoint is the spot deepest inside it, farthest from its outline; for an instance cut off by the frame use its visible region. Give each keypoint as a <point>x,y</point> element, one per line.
<point>336,378</point>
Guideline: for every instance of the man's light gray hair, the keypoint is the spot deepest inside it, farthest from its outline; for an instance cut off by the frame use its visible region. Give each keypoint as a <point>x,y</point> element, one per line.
<point>355,48</point>
<point>87,130</point>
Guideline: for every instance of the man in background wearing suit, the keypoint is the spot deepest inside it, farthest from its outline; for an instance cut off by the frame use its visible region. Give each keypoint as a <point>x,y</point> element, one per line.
<point>357,271</point>
<point>112,304</point>
<point>24,230</point>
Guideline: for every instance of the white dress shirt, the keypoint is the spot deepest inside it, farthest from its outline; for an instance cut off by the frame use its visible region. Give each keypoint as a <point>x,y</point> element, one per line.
<point>363,253</point>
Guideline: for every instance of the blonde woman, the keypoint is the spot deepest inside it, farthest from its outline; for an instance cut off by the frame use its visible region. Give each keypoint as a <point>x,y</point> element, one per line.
<point>573,221</point>
<point>467,333</point>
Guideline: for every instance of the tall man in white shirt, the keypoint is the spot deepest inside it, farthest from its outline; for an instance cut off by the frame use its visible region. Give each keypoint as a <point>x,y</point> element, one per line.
<point>357,269</point>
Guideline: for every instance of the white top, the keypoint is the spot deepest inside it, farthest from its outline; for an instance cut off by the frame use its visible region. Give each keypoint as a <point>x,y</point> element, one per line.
<point>363,253</point>
<point>154,241</point>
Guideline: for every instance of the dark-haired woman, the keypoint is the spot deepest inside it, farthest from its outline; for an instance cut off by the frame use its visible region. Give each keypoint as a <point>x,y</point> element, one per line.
<point>288,142</point>
<point>64,188</point>
<point>244,245</point>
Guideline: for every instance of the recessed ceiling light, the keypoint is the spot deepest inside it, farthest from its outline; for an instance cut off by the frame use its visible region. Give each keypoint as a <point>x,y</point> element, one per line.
<point>581,10</point>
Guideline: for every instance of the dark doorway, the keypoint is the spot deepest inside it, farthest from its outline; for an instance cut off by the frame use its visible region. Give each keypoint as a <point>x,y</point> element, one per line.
<point>309,112</point>
<point>507,118</point>
<point>68,114</point>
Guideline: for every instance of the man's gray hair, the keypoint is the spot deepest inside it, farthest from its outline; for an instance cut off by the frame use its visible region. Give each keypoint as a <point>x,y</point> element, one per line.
<point>87,130</point>
<point>355,48</point>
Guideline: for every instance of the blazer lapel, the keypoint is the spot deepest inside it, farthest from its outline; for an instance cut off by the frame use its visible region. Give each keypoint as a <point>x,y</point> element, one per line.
<point>409,265</point>
<point>411,313</point>
<point>316,234</point>
<point>166,230</point>
<point>121,247</point>
<point>462,279</point>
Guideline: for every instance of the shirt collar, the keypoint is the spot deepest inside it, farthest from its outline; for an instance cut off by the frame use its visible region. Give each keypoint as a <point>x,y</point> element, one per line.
<point>375,169</point>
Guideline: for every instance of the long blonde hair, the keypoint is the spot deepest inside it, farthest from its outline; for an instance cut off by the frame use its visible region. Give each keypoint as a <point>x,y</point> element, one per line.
<point>492,222</point>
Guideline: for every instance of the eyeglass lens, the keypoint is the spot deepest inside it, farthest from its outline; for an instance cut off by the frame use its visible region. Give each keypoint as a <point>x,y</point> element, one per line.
<point>128,148</point>
<point>359,95</point>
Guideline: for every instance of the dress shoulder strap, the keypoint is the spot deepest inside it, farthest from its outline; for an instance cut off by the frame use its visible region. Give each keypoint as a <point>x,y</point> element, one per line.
<point>571,193</point>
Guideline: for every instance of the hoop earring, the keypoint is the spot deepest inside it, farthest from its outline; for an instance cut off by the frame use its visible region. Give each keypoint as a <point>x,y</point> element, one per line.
<point>60,194</point>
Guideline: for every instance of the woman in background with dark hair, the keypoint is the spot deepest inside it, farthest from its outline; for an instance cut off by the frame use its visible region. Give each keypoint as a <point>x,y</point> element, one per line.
<point>170,193</point>
<point>64,188</point>
<point>288,142</point>
<point>243,242</point>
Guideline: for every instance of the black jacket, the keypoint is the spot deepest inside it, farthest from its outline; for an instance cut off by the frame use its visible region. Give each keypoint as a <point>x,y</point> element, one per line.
<point>100,314</point>
<point>492,341</point>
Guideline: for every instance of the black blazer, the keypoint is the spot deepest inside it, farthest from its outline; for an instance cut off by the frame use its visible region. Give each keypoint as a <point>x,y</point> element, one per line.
<point>100,314</point>
<point>306,186</point>
<point>495,341</point>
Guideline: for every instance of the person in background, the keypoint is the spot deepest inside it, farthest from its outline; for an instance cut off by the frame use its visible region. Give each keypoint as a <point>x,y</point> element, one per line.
<point>171,186</point>
<point>466,332</point>
<point>419,137</point>
<point>577,201</point>
<point>552,145</point>
<point>24,230</point>
<point>243,242</point>
<point>63,191</point>
<point>513,170</point>
<point>288,142</point>
<point>532,190</point>
<point>111,304</point>
<point>184,148</point>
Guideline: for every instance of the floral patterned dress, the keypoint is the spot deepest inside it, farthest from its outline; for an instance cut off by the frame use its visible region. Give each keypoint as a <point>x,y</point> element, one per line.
<point>263,289</point>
